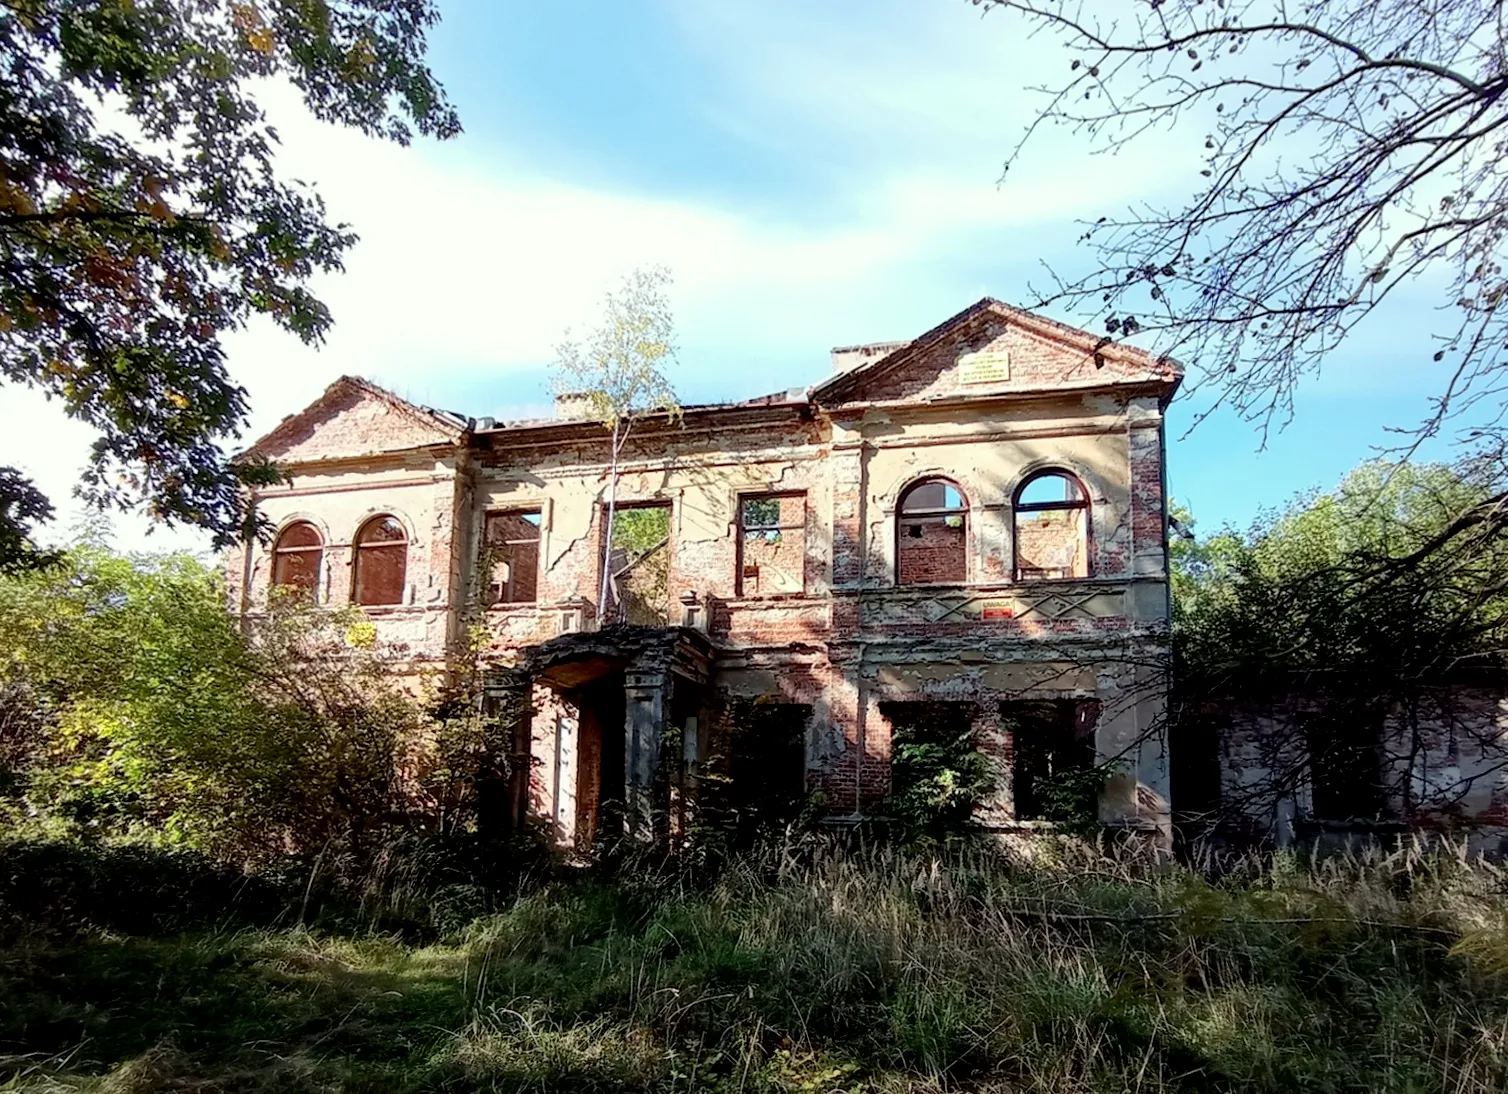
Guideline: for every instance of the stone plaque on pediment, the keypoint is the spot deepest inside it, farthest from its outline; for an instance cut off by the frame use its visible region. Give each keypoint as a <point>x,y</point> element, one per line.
<point>984,367</point>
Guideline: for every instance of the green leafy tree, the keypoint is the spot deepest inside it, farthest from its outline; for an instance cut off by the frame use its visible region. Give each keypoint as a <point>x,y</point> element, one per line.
<point>141,218</point>
<point>1356,603</point>
<point>150,714</point>
<point>938,777</point>
<point>618,369</point>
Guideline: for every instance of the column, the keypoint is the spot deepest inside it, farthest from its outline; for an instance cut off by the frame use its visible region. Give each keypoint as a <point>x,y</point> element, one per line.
<point>993,740</point>
<point>643,728</point>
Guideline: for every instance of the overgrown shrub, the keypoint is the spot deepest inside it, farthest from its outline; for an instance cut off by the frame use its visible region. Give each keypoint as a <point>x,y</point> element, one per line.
<point>154,716</point>
<point>1349,608</point>
<point>937,774</point>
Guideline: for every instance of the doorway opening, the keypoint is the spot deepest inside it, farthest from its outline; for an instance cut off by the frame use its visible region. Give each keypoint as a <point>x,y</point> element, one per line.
<point>766,757</point>
<point>600,760</point>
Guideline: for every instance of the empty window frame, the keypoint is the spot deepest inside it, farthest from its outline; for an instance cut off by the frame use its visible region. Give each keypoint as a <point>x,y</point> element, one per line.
<point>931,534</point>
<point>935,764</point>
<point>296,558</point>
<point>639,563</point>
<point>772,545</point>
<point>512,546</point>
<point>1053,758</point>
<point>381,562</point>
<point>1051,515</point>
<point>1344,748</point>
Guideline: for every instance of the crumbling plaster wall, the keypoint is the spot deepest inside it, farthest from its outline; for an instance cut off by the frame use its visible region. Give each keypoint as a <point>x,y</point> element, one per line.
<point>421,489</point>
<point>354,420</point>
<point>994,640</point>
<point>1444,766</point>
<point>1453,748</point>
<point>854,640</point>
<point>1035,361</point>
<point>989,452</point>
<point>700,474</point>
<point>554,772</point>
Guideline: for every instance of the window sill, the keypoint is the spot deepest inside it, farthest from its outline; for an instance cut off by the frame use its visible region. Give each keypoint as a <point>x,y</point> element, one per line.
<point>369,609</point>
<point>992,587</point>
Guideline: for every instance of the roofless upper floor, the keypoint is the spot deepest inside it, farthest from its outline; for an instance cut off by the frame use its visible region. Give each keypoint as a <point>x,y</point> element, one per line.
<point>964,474</point>
<point>987,352</point>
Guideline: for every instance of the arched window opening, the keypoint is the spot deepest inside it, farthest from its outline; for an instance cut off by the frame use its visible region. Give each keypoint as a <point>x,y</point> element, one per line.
<point>296,558</point>
<point>1052,528</point>
<point>381,562</point>
<point>931,534</point>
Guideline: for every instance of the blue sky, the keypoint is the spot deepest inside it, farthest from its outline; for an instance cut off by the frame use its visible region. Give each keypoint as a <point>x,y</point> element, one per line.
<point>813,174</point>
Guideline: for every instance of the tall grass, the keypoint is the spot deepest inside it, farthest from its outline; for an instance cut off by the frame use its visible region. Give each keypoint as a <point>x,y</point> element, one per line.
<point>806,968</point>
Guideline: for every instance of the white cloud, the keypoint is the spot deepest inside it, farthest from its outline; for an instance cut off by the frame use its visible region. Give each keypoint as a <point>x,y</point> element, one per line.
<point>468,271</point>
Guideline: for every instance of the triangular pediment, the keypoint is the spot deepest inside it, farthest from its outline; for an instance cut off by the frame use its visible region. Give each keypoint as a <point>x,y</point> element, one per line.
<point>355,418</point>
<point>992,349</point>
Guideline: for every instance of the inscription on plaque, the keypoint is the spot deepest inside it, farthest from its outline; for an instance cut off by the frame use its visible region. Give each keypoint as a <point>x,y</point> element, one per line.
<point>997,609</point>
<point>984,367</point>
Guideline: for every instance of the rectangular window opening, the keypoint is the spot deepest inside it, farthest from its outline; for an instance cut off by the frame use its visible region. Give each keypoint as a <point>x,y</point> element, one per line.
<point>772,545</point>
<point>1053,760</point>
<point>1345,764</point>
<point>512,545</point>
<point>936,768</point>
<point>638,588</point>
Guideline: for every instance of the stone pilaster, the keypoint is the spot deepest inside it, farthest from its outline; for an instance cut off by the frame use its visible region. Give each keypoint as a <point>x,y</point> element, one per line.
<point>643,729</point>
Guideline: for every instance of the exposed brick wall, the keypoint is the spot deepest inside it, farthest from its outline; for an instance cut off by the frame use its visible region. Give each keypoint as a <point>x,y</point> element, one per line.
<point>353,420</point>
<point>512,539</point>
<point>773,561</point>
<point>774,567</point>
<point>589,776</point>
<point>1036,362</point>
<point>780,623</point>
<point>1148,540</point>
<point>811,640</point>
<point>845,469</point>
<point>1052,543</point>
<point>1450,752</point>
<point>931,551</point>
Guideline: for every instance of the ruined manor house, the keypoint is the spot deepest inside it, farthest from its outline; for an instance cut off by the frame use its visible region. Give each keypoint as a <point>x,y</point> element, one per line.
<point>965,533</point>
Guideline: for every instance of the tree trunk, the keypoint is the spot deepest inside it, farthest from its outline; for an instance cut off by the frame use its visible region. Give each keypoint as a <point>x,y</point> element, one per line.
<point>607,539</point>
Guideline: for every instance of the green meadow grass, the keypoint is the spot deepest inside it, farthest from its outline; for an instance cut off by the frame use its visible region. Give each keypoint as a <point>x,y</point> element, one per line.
<point>794,969</point>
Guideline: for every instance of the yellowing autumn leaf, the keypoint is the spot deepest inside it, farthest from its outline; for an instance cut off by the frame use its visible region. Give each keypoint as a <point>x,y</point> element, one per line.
<point>248,20</point>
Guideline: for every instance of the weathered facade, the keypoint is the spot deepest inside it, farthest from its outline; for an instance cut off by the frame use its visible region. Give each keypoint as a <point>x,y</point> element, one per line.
<point>969,525</point>
<point>1279,770</point>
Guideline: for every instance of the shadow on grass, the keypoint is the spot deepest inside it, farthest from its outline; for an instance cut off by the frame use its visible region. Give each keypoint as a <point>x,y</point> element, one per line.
<point>855,977</point>
<point>229,1004</point>
<point>132,890</point>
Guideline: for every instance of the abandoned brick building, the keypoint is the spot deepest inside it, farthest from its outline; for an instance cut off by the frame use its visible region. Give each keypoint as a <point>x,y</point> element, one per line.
<point>968,526</point>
